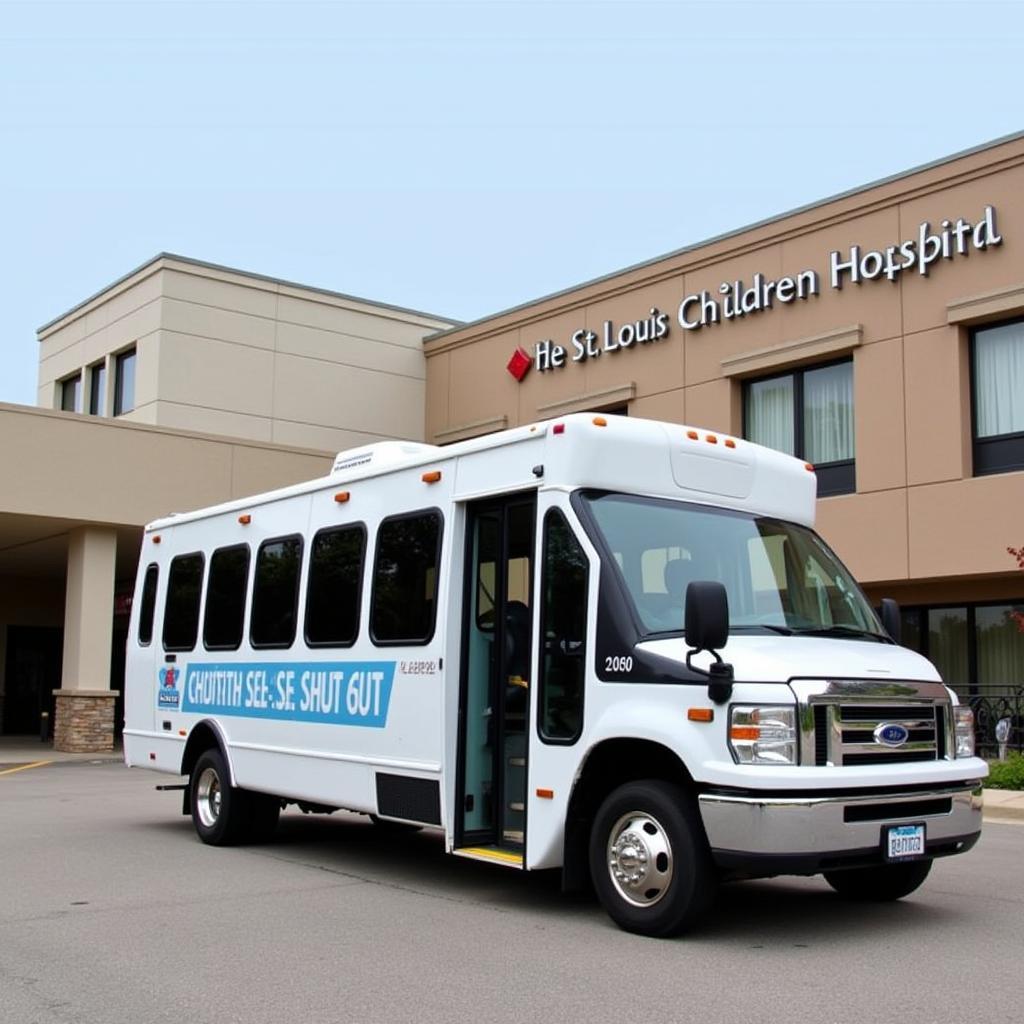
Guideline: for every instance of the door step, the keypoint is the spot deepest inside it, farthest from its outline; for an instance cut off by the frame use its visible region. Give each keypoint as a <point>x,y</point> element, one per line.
<point>491,854</point>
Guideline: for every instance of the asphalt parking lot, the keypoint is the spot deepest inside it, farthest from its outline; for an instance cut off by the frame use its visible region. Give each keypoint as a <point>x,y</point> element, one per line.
<point>111,910</point>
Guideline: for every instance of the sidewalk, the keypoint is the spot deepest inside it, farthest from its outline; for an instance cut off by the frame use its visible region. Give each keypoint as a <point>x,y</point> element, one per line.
<point>1001,805</point>
<point>16,750</point>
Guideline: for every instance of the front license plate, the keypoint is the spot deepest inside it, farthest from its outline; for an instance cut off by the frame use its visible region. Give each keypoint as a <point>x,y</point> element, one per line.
<point>903,842</point>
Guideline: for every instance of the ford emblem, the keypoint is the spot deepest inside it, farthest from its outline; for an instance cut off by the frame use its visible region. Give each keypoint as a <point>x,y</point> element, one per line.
<point>890,734</point>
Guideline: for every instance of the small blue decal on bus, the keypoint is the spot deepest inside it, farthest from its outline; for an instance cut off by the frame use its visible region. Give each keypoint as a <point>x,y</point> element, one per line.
<point>168,696</point>
<point>333,693</point>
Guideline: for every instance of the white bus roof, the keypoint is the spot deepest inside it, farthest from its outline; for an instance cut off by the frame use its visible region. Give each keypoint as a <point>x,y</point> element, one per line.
<point>616,453</point>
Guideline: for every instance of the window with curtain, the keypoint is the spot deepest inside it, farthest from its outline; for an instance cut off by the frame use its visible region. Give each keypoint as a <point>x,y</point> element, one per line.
<point>978,648</point>
<point>807,413</point>
<point>997,373</point>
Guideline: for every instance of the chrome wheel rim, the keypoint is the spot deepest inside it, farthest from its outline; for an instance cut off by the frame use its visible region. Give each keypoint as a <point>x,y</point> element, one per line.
<point>208,797</point>
<point>639,859</point>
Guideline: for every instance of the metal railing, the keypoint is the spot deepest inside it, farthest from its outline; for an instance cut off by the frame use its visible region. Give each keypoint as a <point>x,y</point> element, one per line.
<point>991,708</point>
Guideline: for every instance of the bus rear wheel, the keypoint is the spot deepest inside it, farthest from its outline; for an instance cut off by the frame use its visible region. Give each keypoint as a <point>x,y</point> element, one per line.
<point>880,884</point>
<point>649,859</point>
<point>221,812</point>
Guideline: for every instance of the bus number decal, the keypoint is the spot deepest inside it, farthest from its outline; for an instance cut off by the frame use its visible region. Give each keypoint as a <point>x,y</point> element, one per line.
<point>619,663</point>
<point>332,693</point>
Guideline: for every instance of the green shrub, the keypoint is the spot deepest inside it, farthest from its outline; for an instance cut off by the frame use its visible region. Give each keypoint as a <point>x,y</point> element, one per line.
<point>1008,774</point>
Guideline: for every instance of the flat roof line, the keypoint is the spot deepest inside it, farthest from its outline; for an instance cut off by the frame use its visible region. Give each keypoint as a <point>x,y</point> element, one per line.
<point>244,273</point>
<point>1012,137</point>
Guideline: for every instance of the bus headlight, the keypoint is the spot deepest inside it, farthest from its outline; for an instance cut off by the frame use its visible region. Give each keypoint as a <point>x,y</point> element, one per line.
<point>963,731</point>
<point>763,735</point>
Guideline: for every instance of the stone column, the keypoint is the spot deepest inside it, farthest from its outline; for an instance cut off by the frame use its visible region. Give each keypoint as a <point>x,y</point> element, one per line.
<point>85,702</point>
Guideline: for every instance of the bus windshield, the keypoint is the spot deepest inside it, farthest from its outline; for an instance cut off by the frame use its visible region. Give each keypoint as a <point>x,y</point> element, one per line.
<point>779,577</point>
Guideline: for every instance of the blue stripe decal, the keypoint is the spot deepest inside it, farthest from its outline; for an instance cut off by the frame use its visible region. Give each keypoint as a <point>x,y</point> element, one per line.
<point>333,693</point>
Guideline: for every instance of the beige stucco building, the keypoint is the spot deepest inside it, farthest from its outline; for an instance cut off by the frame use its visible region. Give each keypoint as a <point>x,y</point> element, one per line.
<point>878,335</point>
<point>180,385</point>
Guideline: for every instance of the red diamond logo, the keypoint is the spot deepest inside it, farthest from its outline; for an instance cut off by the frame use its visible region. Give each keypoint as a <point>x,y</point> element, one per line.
<point>519,364</point>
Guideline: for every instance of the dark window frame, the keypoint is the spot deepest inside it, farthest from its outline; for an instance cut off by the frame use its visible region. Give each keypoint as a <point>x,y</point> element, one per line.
<point>147,605</point>
<point>251,606</point>
<point>834,478</point>
<point>74,380</point>
<point>199,601</point>
<point>1001,453</point>
<point>245,598</point>
<point>439,548</point>
<point>560,741</point>
<point>360,583</point>
<point>97,404</point>
<point>119,377</point>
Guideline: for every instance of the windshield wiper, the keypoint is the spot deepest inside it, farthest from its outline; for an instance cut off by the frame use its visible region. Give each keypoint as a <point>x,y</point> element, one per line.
<point>782,630</point>
<point>842,630</point>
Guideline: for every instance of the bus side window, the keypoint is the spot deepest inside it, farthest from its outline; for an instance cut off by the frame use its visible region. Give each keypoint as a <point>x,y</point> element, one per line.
<point>335,586</point>
<point>405,578</point>
<point>181,611</point>
<point>148,608</point>
<point>275,592</point>
<point>563,626</point>
<point>225,598</point>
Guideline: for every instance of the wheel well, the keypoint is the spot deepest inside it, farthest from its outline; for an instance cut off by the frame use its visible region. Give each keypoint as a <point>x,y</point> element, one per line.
<point>609,765</point>
<point>202,737</point>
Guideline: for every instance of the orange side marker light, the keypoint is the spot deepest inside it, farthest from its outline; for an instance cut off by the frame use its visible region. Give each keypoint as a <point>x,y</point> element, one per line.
<point>546,794</point>
<point>701,714</point>
<point>341,497</point>
<point>745,732</point>
<point>245,519</point>
<point>432,477</point>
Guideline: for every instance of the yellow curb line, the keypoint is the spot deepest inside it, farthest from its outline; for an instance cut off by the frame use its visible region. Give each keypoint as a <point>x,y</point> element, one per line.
<point>25,767</point>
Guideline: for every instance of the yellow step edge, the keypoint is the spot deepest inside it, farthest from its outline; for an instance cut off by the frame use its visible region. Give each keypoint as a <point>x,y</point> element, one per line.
<point>513,860</point>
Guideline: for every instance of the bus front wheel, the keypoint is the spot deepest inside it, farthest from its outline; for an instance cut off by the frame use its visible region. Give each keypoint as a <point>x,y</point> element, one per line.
<point>649,858</point>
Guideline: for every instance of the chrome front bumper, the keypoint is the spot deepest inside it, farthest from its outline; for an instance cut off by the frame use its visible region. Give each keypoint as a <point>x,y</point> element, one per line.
<point>803,835</point>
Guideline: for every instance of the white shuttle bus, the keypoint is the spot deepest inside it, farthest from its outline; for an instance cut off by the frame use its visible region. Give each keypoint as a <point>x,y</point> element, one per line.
<point>606,645</point>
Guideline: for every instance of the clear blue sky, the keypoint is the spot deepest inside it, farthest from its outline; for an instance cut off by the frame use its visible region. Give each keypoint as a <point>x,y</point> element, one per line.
<point>455,157</point>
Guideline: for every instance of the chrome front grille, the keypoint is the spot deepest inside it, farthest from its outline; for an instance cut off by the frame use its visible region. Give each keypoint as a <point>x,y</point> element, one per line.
<point>844,722</point>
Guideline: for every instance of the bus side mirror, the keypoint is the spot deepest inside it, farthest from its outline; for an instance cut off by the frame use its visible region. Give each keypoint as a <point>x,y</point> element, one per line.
<point>891,621</point>
<point>707,629</point>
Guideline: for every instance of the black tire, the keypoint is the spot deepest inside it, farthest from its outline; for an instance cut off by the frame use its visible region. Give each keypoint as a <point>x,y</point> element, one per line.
<point>219,810</point>
<point>263,813</point>
<point>879,885</point>
<point>649,859</point>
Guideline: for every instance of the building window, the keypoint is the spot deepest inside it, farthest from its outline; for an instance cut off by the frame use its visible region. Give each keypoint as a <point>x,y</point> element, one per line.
<point>98,389</point>
<point>275,592</point>
<point>71,394</point>
<point>405,579</point>
<point>808,414</point>
<point>997,373</point>
<point>124,382</point>
<point>977,648</point>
